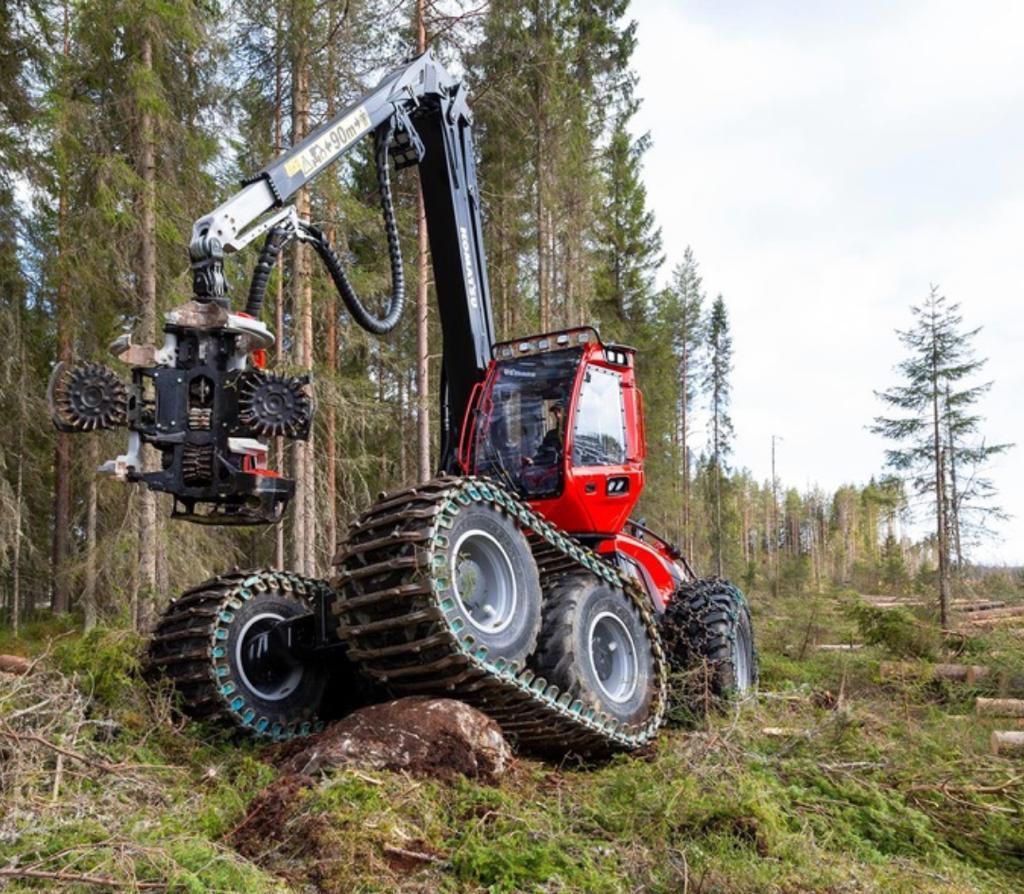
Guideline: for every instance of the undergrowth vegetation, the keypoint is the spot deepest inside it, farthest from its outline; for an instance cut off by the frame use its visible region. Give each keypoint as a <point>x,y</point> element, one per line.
<point>832,781</point>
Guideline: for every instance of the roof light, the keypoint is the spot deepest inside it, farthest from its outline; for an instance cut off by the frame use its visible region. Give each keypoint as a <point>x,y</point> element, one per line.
<point>563,339</point>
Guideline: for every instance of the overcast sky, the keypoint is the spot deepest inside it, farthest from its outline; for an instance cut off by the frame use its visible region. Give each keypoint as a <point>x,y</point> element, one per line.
<point>827,162</point>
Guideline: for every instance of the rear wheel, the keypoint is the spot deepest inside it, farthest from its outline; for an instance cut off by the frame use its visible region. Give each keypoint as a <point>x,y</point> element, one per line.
<point>594,646</point>
<point>707,624</point>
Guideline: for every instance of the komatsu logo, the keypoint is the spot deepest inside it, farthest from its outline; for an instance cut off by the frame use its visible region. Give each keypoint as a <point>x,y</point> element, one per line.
<point>329,144</point>
<point>467,263</point>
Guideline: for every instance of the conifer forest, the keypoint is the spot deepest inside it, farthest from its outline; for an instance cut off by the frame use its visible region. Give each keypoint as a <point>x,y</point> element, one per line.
<point>121,124</point>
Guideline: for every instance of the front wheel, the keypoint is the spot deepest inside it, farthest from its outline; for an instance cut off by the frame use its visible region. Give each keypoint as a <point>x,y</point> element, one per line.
<point>594,646</point>
<point>216,646</point>
<point>707,624</point>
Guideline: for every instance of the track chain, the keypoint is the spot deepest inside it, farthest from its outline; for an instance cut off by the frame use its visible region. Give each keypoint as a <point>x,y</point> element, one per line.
<point>397,616</point>
<point>187,647</point>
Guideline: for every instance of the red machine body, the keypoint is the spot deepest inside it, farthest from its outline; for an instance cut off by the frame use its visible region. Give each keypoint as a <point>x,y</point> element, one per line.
<point>559,419</point>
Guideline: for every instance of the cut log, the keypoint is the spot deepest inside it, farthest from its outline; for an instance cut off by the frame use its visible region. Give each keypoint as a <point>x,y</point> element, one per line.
<point>973,622</point>
<point>840,647</point>
<point>965,605</point>
<point>14,664</point>
<point>960,673</point>
<point>999,707</point>
<point>1007,742</point>
<point>1012,611</point>
<point>779,732</point>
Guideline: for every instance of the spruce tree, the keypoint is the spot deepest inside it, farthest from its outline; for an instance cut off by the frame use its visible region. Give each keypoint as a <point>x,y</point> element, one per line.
<point>935,428</point>
<point>628,239</point>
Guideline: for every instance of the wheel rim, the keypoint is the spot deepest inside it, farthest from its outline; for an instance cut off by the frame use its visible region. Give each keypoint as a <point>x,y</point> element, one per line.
<point>485,582</point>
<point>613,657</point>
<point>742,666</point>
<point>269,672</point>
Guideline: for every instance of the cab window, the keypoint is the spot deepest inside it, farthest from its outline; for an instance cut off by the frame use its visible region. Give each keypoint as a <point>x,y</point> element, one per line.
<point>599,432</point>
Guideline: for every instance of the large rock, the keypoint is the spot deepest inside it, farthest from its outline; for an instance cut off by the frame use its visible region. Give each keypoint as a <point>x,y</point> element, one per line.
<point>14,664</point>
<point>437,737</point>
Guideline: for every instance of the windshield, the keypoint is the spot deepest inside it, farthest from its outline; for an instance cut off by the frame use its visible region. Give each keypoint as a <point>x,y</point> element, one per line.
<point>521,438</point>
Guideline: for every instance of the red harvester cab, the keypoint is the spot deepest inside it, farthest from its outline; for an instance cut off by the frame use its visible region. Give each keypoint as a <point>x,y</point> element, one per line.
<point>559,420</point>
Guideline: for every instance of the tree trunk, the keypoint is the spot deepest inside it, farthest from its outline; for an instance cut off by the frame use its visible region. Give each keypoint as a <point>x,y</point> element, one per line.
<point>331,337</point>
<point>61,600</point>
<point>89,607</point>
<point>540,162</point>
<point>404,390</point>
<point>424,468</point>
<point>279,448</point>
<point>954,496</point>
<point>940,499</point>
<point>684,449</point>
<point>148,522</point>
<point>718,488</point>
<point>304,526</point>
<point>19,503</point>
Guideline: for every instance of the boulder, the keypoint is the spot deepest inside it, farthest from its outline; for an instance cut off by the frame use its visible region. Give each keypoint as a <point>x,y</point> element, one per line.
<point>426,736</point>
<point>14,664</point>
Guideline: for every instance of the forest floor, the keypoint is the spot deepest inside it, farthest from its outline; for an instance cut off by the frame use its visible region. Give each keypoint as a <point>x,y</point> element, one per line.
<point>833,780</point>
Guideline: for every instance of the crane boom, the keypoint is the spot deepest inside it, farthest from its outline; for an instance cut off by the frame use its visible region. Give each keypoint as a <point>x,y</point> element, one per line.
<point>425,108</point>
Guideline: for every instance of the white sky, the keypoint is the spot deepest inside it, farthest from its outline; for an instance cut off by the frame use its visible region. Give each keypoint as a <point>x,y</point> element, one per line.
<point>827,162</point>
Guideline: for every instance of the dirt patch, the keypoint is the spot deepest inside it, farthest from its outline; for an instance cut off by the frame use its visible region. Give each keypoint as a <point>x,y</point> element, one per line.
<point>268,815</point>
<point>436,738</point>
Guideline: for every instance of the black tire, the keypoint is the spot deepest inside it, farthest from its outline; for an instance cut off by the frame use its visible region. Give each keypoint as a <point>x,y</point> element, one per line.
<point>578,609</point>
<point>494,582</point>
<point>707,625</point>
<point>210,644</point>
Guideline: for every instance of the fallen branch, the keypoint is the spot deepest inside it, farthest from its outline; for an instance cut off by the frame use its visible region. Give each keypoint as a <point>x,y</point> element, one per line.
<point>945,787</point>
<point>77,878</point>
<point>101,766</point>
<point>415,855</point>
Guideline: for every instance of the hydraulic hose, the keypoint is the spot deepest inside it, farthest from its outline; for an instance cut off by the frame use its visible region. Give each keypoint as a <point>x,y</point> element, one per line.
<point>278,236</point>
<point>272,246</point>
<point>383,324</point>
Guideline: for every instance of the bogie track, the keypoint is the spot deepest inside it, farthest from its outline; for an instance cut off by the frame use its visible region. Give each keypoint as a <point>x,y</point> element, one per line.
<point>400,617</point>
<point>194,647</point>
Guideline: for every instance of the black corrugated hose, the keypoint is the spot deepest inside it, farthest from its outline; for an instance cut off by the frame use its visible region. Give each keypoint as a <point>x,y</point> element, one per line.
<point>315,236</point>
<point>272,246</point>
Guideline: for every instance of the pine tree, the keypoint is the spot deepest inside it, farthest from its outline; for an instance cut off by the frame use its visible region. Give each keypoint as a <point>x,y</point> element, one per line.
<point>718,389</point>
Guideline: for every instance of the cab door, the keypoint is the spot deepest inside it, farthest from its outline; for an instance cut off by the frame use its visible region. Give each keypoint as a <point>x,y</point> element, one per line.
<point>604,478</point>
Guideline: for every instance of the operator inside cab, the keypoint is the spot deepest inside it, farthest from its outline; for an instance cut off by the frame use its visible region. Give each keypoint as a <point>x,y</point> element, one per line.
<point>549,453</point>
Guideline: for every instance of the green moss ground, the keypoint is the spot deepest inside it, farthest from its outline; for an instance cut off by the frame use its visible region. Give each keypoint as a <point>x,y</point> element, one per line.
<point>863,786</point>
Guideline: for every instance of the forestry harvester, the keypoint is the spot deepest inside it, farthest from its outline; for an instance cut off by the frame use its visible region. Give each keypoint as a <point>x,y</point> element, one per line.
<point>514,580</point>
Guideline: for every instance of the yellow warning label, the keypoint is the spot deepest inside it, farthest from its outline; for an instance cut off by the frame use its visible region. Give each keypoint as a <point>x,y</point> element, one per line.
<point>327,146</point>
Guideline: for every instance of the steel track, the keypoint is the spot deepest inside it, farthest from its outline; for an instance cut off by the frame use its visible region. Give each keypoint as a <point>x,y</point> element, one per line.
<point>187,647</point>
<point>396,614</point>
